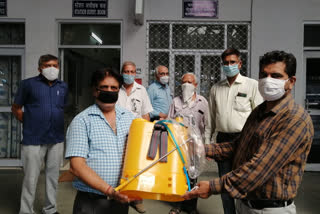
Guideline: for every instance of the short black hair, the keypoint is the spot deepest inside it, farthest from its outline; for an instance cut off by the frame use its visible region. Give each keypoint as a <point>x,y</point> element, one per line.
<point>46,58</point>
<point>279,56</point>
<point>230,51</point>
<point>100,74</point>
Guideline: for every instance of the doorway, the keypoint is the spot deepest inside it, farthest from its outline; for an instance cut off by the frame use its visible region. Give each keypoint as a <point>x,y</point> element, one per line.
<point>78,65</point>
<point>11,70</point>
<point>83,48</point>
<point>312,103</point>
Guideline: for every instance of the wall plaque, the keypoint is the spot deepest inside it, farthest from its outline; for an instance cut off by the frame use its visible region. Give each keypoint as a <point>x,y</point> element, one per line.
<point>97,8</point>
<point>200,8</point>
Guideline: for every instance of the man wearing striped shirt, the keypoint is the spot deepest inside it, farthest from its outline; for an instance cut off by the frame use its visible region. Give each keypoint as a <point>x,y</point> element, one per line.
<point>230,103</point>
<point>271,152</point>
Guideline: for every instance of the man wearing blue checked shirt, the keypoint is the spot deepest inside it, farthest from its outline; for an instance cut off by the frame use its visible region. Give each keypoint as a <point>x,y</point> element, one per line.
<point>96,141</point>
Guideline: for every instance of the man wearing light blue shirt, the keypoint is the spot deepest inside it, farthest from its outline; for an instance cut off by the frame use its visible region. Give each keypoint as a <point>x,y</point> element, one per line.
<point>160,94</point>
<point>96,141</point>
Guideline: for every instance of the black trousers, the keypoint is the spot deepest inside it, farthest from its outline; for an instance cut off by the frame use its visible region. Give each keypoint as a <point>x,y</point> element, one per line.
<point>91,203</point>
<point>225,167</point>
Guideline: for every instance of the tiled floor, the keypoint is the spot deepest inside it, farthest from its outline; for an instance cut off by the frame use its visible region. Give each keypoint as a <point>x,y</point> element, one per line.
<point>307,201</point>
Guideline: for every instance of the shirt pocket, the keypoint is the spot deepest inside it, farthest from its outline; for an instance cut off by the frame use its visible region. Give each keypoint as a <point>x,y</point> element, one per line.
<point>59,94</point>
<point>136,105</point>
<point>242,104</point>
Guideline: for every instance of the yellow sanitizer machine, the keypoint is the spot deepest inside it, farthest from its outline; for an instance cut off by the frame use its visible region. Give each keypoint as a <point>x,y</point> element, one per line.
<point>153,163</point>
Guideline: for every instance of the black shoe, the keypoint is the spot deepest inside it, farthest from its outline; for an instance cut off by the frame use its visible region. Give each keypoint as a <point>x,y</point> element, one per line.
<point>138,206</point>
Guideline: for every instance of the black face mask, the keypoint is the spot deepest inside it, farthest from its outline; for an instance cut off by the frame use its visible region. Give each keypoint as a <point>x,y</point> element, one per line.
<point>108,96</point>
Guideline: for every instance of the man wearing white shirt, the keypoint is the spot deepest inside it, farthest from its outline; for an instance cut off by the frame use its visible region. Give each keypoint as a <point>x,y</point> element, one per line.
<point>132,95</point>
<point>230,103</point>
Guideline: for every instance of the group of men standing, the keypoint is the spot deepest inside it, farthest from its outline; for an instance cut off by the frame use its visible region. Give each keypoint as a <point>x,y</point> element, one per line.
<point>261,149</point>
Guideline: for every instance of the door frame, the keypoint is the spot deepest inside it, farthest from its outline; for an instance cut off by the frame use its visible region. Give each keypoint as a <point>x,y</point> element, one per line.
<point>309,54</point>
<point>11,162</point>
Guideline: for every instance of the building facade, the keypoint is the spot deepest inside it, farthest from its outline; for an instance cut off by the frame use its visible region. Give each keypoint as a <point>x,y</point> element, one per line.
<point>152,32</point>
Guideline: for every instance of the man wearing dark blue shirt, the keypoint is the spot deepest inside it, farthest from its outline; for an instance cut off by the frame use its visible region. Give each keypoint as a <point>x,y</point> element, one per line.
<point>43,98</point>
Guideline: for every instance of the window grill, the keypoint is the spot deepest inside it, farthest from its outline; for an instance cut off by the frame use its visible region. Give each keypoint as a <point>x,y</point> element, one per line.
<point>195,47</point>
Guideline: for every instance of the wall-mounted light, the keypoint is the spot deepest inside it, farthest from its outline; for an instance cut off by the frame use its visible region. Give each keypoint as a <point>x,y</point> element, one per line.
<point>139,12</point>
<point>96,38</point>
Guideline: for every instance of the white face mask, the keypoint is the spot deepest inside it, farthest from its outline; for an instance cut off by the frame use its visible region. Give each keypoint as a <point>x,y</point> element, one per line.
<point>164,80</point>
<point>272,89</point>
<point>50,73</point>
<point>187,92</point>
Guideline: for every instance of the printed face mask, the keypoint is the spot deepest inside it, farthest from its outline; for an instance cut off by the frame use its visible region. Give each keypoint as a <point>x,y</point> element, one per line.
<point>230,70</point>
<point>50,73</point>
<point>128,79</point>
<point>187,91</point>
<point>272,89</point>
<point>164,80</point>
<point>108,96</point>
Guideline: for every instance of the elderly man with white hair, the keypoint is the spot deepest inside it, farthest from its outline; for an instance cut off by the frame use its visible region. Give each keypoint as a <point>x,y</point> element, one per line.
<point>189,105</point>
<point>160,94</point>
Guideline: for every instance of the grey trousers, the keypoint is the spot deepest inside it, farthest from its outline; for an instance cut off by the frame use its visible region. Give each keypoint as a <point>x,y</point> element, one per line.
<point>243,209</point>
<point>32,157</point>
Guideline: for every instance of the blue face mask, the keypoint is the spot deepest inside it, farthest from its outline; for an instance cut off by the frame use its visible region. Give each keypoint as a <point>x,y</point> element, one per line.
<point>230,70</point>
<point>128,79</point>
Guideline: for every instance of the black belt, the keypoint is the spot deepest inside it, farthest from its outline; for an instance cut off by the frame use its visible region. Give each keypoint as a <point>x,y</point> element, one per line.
<point>261,204</point>
<point>92,195</point>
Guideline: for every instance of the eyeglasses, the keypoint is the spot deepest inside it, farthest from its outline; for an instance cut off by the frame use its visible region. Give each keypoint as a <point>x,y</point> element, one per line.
<point>231,62</point>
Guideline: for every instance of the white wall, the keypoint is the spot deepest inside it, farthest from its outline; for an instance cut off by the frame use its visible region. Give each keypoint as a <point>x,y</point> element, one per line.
<point>276,24</point>
<point>42,29</point>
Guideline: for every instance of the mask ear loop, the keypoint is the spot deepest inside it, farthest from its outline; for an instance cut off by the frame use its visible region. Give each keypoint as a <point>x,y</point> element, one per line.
<point>285,84</point>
